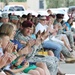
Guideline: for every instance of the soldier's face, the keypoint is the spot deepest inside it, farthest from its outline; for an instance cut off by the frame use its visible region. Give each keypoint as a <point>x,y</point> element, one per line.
<point>27,31</point>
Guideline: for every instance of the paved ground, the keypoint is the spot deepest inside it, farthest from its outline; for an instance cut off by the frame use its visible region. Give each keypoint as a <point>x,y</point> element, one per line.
<point>68,68</point>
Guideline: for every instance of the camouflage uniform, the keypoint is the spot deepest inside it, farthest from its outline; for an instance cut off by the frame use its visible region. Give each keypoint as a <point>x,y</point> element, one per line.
<point>68,33</point>
<point>52,62</point>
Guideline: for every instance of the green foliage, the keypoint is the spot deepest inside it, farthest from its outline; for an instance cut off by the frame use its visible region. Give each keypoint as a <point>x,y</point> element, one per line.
<point>7,1</point>
<point>20,0</point>
<point>13,0</point>
<point>59,3</point>
<point>52,3</point>
<point>1,1</point>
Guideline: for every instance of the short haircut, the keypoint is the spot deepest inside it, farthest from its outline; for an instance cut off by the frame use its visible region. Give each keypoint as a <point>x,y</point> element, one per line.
<point>24,16</point>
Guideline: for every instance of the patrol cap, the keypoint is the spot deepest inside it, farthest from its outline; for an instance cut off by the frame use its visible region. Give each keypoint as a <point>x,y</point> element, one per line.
<point>4,15</point>
<point>14,17</point>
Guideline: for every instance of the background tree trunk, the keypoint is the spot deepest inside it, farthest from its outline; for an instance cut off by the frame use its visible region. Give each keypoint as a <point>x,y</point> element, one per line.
<point>6,2</point>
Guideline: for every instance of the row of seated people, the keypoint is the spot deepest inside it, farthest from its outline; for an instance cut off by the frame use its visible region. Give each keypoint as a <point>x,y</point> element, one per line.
<point>27,44</point>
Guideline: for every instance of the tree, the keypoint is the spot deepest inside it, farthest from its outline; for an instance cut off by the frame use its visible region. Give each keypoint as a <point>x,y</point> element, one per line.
<point>6,2</point>
<point>52,3</point>
<point>59,3</point>
<point>20,0</point>
<point>1,0</point>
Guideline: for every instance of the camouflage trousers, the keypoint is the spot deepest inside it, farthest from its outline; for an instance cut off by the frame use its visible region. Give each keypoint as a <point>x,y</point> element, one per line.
<point>51,62</point>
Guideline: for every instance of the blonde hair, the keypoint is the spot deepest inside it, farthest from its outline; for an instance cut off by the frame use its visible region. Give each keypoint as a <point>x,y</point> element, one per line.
<point>7,29</point>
